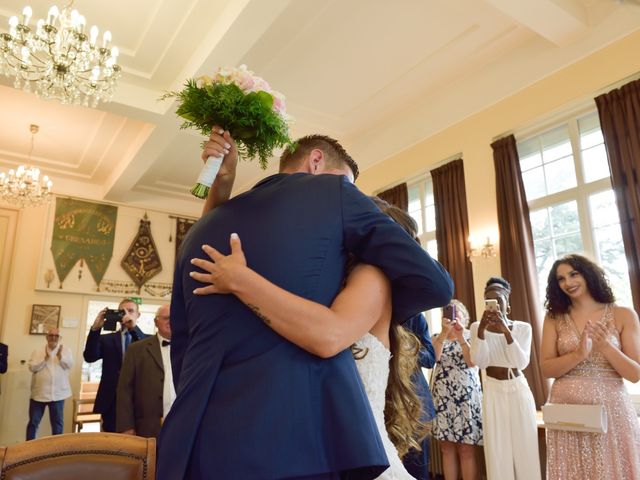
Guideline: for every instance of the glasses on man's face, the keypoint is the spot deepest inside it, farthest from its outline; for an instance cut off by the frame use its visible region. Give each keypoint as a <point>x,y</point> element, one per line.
<point>163,317</point>
<point>53,336</point>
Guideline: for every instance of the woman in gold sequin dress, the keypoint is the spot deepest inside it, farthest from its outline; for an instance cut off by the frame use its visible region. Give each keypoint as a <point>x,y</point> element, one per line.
<point>589,345</point>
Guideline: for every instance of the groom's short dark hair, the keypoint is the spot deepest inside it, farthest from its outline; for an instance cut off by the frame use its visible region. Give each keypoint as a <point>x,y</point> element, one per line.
<point>336,155</point>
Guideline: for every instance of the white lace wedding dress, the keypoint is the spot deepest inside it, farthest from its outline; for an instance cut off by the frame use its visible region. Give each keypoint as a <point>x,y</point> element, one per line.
<point>374,371</point>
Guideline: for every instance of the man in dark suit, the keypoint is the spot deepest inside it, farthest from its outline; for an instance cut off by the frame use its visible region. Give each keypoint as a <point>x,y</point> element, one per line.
<point>251,404</point>
<point>145,387</point>
<point>110,349</point>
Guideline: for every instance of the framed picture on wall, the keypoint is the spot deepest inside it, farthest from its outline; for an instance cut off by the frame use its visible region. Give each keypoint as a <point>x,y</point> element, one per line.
<point>44,317</point>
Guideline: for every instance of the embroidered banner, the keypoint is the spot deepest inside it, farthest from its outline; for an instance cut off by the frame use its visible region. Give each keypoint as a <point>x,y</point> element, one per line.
<point>142,261</point>
<point>182,227</point>
<point>83,230</point>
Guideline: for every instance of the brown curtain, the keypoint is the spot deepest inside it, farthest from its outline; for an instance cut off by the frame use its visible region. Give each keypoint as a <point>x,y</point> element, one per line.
<point>619,112</point>
<point>452,229</point>
<point>398,196</point>
<point>517,255</point>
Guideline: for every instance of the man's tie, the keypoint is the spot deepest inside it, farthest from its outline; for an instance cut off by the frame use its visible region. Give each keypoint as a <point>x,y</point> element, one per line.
<point>166,343</point>
<point>127,339</point>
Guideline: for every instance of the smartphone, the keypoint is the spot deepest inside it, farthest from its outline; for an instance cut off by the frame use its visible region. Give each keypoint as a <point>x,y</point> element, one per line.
<point>491,305</point>
<point>449,312</point>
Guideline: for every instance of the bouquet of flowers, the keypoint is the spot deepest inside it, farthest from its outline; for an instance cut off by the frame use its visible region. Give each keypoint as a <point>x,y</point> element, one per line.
<point>240,102</point>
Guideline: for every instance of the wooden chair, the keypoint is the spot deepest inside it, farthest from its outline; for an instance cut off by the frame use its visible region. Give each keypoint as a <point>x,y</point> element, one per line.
<point>80,456</point>
<point>83,406</point>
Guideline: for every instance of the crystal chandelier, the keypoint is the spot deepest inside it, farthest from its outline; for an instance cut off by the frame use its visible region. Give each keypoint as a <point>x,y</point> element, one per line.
<point>23,186</point>
<point>57,59</point>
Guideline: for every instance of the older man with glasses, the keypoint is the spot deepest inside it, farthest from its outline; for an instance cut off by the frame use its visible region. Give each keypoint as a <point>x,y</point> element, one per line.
<point>145,387</point>
<point>49,384</point>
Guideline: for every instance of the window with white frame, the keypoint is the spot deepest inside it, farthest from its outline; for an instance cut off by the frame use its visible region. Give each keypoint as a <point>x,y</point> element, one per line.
<point>423,210</point>
<point>572,206</point>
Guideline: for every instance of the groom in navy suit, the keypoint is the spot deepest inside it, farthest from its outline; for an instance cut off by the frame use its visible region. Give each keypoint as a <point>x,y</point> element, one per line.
<point>251,405</point>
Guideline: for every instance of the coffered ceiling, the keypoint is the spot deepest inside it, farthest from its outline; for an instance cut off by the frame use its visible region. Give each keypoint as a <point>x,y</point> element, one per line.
<point>378,75</point>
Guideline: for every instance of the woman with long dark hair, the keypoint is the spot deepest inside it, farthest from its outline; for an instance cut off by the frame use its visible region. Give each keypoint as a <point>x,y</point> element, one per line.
<point>589,345</point>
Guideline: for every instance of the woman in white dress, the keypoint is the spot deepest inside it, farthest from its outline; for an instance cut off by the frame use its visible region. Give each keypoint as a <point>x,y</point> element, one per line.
<point>385,356</point>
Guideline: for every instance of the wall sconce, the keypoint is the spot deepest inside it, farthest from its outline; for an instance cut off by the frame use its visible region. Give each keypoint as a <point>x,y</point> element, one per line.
<point>49,276</point>
<point>485,250</point>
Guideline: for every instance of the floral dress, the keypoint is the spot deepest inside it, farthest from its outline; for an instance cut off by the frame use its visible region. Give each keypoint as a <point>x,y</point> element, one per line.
<point>457,396</point>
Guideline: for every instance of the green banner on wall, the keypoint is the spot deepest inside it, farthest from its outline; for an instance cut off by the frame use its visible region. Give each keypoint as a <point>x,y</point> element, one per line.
<point>83,230</point>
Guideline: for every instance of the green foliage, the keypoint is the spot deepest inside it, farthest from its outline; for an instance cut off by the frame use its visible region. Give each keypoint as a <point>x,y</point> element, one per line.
<point>250,119</point>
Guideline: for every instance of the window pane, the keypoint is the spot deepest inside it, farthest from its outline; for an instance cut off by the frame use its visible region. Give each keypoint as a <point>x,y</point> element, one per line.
<point>589,127</point>
<point>432,248</point>
<point>529,147</point>
<point>603,209</point>
<point>555,144</point>
<point>570,244</point>
<point>564,218</point>
<point>557,151</point>
<point>540,224</point>
<point>534,185</point>
<point>531,161</point>
<point>428,193</point>
<point>430,218</point>
<point>595,164</point>
<point>544,259</point>
<point>612,258</point>
<point>417,216</point>
<point>591,139</point>
<point>560,175</point>
<point>414,198</point>
<point>544,254</point>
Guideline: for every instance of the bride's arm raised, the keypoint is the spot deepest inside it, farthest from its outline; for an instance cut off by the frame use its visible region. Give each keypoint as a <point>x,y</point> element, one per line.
<point>220,144</point>
<point>322,331</point>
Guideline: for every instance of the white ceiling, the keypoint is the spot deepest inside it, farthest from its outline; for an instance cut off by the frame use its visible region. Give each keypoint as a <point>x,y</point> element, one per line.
<point>378,75</point>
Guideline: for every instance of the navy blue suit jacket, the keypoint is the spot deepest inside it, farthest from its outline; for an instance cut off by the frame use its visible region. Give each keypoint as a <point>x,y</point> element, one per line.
<point>250,404</point>
<point>107,347</point>
<point>4,354</point>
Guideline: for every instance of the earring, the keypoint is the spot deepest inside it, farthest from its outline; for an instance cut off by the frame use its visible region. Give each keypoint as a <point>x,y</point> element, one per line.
<point>508,309</point>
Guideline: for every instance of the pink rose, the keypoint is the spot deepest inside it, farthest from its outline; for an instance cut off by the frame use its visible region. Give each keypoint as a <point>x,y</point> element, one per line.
<point>278,103</point>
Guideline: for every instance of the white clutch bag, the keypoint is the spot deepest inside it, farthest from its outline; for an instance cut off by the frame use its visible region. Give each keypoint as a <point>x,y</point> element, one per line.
<point>577,418</point>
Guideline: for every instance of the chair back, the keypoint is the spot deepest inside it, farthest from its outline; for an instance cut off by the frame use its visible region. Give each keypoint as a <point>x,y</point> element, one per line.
<point>76,456</point>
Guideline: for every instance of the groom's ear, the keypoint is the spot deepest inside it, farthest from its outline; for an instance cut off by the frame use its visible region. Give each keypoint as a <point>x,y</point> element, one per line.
<point>316,162</point>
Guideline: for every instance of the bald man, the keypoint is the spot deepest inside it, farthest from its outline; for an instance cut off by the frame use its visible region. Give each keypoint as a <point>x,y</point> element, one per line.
<point>50,386</point>
<point>145,387</point>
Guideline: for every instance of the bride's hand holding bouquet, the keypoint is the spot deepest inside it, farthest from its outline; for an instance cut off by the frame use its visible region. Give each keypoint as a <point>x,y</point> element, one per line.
<point>241,104</point>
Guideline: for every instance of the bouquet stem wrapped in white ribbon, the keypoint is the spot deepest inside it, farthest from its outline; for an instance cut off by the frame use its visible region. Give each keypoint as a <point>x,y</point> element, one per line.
<point>240,102</point>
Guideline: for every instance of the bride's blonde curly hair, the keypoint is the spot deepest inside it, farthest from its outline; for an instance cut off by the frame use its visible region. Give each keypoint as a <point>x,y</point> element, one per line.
<point>403,409</point>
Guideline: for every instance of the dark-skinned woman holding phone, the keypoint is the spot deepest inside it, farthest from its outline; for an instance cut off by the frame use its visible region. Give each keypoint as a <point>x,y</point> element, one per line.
<point>501,348</point>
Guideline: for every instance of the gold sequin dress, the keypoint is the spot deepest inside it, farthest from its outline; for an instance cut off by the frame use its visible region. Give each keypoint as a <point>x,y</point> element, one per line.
<point>614,455</point>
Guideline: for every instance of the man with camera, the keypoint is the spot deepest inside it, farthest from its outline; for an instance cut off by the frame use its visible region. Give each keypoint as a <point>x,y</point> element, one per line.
<point>111,348</point>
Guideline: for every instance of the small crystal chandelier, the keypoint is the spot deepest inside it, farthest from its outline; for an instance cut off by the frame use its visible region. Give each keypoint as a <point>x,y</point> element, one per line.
<point>56,59</point>
<point>23,186</point>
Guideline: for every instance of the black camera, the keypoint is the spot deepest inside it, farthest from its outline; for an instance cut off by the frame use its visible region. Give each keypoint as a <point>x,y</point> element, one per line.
<point>111,319</point>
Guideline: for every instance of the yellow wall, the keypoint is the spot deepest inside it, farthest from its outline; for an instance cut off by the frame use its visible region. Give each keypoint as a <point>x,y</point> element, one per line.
<point>573,86</point>
<point>21,296</point>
